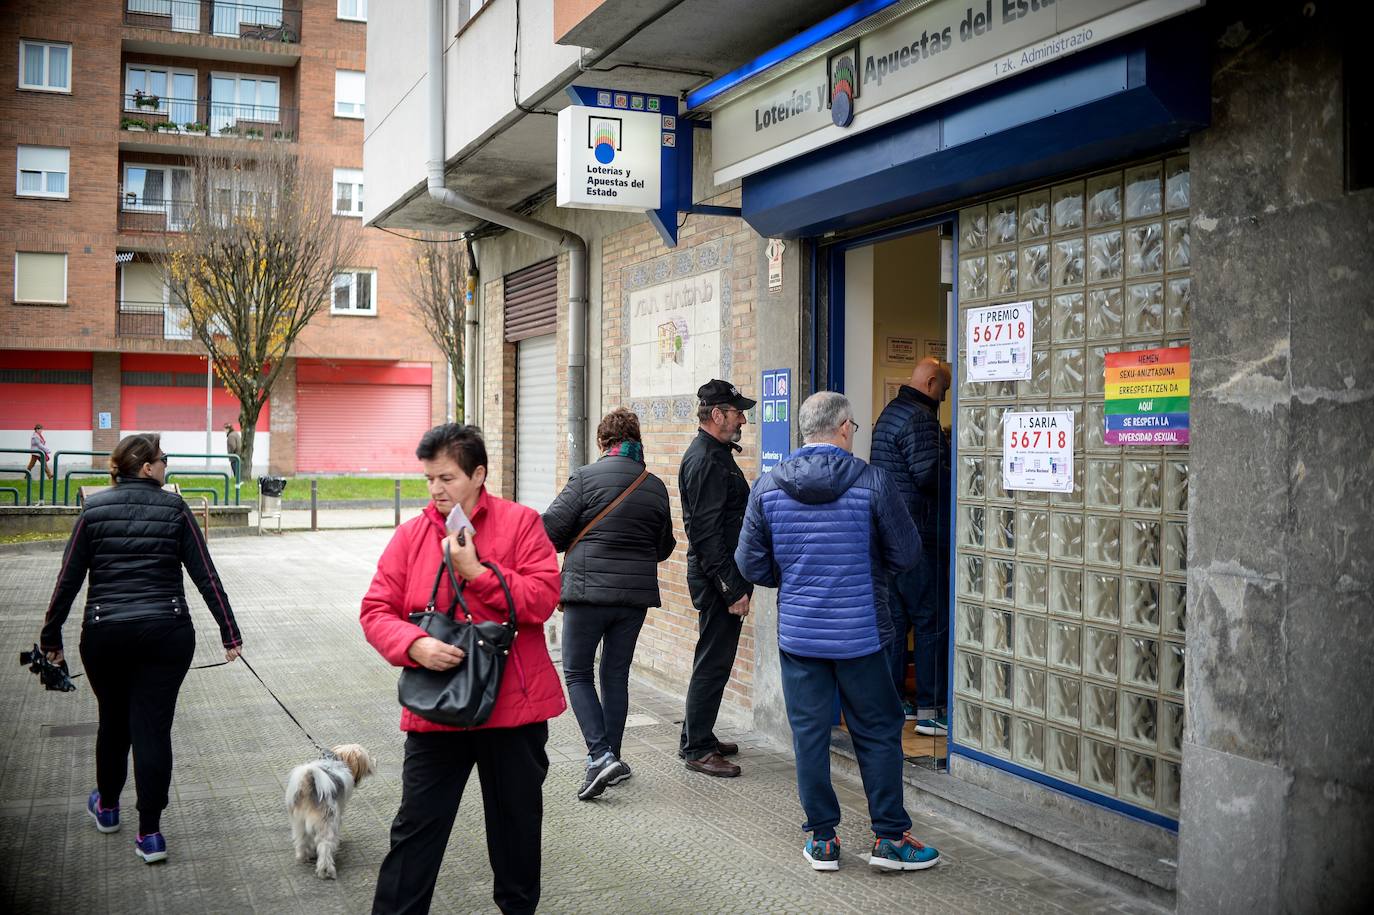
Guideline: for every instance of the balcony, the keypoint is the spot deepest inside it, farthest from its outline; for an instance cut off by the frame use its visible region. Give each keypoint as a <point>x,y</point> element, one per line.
<point>261,32</point>
<point>190,121</point>
<point>151,212</point>
<point>158,320</point>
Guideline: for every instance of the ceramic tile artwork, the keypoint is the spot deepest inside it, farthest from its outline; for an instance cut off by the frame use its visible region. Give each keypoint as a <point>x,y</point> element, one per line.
<point>1071,609</point>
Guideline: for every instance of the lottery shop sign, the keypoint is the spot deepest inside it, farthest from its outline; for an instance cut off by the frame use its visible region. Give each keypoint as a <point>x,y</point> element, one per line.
<point>1147,397</point>
<point>1037,451</point>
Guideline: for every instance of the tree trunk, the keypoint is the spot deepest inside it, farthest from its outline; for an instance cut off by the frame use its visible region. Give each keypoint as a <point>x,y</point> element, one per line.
<point>248,422</point>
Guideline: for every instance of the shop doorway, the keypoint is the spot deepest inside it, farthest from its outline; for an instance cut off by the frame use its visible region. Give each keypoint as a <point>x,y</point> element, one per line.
<point>895,309</point>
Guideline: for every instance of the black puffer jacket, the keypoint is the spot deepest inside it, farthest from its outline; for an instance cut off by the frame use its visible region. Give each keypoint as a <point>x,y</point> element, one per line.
<point>909,444</point>
<point>133,540</point>
<point>616,564</point>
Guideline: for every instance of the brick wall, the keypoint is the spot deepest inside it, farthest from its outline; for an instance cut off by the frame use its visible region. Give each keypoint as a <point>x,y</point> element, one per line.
<point>105,391</point>
<point>669,637</point>
<point>281,459</point>
<point>498,392</point>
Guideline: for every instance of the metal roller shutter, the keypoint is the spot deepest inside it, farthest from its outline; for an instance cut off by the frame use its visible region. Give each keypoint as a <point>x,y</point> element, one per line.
<point>531,301</point>
<point>536,421</point>
<point>356,428</point>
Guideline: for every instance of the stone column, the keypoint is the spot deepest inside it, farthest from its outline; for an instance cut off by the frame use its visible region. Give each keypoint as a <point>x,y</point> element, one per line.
<point>281,458</point>
<point>1278,766</point>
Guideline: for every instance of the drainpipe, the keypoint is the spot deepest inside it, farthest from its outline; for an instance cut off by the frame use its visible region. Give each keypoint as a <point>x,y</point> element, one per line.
<point>471,342</point>
<point>574,244</point>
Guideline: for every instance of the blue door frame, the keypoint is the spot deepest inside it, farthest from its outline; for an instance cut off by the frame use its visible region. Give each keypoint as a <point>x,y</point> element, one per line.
<point>831,259</point>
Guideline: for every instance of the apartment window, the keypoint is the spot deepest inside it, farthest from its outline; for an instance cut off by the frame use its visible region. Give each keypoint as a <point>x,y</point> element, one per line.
<point>348,93</point>
<point>43,171</point>
<point>40,278</point>
<point>46,66</point>
<point>348,192</point>
<point>236,97</point>
<point>160,189</point>
<point>161,90</point>
<point>353,9</point>
<point>355,292</point>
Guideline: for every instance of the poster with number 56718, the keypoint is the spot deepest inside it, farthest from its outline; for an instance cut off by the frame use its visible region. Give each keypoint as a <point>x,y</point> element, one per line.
<point>999,342</point>
<point>1037,451</point>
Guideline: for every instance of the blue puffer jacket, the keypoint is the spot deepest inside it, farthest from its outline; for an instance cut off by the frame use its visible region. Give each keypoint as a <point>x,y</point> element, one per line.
<point>826,529</point>
<point>910,446</point>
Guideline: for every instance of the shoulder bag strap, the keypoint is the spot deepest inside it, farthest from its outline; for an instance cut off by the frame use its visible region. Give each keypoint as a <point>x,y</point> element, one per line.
<point>607,510</point>
<point>447,567</point>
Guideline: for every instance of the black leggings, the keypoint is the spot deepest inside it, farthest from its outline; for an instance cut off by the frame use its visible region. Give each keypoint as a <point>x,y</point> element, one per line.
<point>135,670</point>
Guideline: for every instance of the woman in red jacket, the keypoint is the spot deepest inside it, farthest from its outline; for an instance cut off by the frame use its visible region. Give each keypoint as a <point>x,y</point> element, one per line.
<point>508,750</point>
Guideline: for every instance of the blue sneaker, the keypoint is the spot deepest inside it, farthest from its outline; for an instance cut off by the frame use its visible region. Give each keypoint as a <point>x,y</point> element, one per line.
<point>106,818</point>
<point>824,854</point>
<point>906,855</point>
<point>933,727</point>
<point>909,711</point>
<point>152,848</point>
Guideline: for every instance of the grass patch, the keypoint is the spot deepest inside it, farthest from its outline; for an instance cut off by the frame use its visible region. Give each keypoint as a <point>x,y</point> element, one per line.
<point>331,489</point>
<point>32,537</point>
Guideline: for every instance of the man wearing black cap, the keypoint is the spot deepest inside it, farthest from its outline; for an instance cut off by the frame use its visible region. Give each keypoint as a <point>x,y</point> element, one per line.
<point>714,496</point>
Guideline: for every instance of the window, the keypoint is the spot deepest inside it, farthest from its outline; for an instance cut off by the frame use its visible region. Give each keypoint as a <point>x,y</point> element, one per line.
<point>43,171</point>
<point>161,90</point>
<point>159,189</point>
<point>348,192</point>
<point>235,98</point>
<point>348,93</point>
<point>46,66</point>
<point>40,278</point>
<point>355,292</point>
<point>353,9</point>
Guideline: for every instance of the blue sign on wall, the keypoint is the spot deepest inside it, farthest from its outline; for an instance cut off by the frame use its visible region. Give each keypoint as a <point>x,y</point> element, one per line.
<point>775,419</point>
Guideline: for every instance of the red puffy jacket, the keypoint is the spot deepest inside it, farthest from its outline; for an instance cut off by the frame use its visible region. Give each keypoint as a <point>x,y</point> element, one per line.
<point>509,535</point>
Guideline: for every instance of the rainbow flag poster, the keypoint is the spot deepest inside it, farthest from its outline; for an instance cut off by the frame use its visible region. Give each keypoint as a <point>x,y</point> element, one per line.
<point>1147,397</point>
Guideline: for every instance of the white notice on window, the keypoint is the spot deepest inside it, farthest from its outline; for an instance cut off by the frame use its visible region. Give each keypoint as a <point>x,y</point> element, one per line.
<point>999,342</point>
<point>1037,451</point>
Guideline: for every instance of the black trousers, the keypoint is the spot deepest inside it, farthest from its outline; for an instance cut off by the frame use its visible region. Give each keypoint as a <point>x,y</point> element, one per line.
<point>135,670</point>
<point>717,640</point>
<point>511,765</point>
<point>615,629</point>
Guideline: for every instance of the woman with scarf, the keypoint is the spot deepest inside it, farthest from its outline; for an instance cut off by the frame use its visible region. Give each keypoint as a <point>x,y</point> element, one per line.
<point>610,579</point>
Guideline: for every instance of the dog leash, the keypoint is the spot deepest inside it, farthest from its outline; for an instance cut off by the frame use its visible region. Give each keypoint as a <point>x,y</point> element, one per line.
<point>323,752</point>
<point>72,676</point>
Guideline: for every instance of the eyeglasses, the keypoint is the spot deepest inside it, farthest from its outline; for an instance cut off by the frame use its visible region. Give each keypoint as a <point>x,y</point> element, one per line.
<point>161,459</point>
<point>856,426</point>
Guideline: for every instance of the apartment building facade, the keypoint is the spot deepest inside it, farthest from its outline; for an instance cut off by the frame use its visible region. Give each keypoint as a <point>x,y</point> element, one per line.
<point>108,104</point>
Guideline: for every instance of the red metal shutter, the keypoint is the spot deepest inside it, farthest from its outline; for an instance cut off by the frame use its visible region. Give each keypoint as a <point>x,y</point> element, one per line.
<point>356,428</point>
<point>531,297</point>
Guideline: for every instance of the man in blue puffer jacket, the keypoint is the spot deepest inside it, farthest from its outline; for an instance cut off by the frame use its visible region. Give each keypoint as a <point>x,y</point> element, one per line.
<point>910,446</point>
<point>826,530</point>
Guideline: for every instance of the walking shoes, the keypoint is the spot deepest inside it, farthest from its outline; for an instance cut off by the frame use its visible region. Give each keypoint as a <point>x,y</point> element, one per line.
<point>152,848</point>
<point>714,764</point>
<point>904,855</point>
<point>824,854</point>
<point>106,818</point>
<point>602,773</point>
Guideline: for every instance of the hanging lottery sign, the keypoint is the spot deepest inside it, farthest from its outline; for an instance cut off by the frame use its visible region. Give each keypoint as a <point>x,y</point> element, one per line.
<point>999,342</point>
<point>1037,451</point>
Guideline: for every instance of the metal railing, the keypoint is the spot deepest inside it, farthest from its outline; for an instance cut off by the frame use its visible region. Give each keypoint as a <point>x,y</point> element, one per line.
<point>142,112</point>
<point>153,319</point>
<point>154,213</point>
<point>279,23</point>
<point>233,459</point>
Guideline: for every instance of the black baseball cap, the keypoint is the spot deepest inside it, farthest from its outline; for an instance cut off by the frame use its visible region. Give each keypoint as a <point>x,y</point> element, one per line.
<point>722,393</point>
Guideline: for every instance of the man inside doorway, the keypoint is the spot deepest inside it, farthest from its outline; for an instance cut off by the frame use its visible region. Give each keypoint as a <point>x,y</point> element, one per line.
<point>714,496</point>
<point>909,444</point>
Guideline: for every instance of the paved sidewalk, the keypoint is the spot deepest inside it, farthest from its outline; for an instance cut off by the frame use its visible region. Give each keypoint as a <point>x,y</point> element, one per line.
<point>667,841</point>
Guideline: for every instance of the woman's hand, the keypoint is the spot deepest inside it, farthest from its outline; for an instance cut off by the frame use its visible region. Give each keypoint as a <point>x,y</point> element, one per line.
<point>231,654</point>
<point>464,555</point>
<point>433,654</point>
<point>55,656</point>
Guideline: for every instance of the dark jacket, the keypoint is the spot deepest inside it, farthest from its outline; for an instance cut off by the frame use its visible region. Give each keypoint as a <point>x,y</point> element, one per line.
<point>616,564</point>
<point>909,444</point>
<point>133,539</point>
<point>714,495</point>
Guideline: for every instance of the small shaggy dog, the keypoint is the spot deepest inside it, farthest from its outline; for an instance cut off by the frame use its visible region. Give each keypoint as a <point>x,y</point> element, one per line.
<point>316,794</point>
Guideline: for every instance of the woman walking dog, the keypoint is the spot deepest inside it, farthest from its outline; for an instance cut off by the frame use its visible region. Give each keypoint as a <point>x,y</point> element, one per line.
<point>136,634</point>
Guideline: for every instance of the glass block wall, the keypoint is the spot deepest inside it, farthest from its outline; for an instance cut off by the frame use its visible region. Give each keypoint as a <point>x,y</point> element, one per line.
<point>1069,608</point>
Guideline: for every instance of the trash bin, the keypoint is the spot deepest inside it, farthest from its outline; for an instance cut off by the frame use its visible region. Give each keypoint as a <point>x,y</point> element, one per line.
<point>269,495</point>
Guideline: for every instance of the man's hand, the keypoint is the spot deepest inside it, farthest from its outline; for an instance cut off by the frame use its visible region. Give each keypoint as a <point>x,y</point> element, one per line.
<point>433,654</point>
<point>232,654</point>
<point>55,656</point>
<point>741,606</point>
<point>465,561</point>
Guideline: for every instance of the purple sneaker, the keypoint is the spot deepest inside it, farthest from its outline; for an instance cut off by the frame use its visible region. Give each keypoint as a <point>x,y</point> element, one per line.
<point>152,848</point>
<point>106,818</point>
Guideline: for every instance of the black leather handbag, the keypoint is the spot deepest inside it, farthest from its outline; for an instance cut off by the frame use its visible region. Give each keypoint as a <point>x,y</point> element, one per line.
<point>463,696</point>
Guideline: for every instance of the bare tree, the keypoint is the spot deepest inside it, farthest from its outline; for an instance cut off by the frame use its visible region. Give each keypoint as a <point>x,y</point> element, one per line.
<point>436,285</point>
<point>256,262</point>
